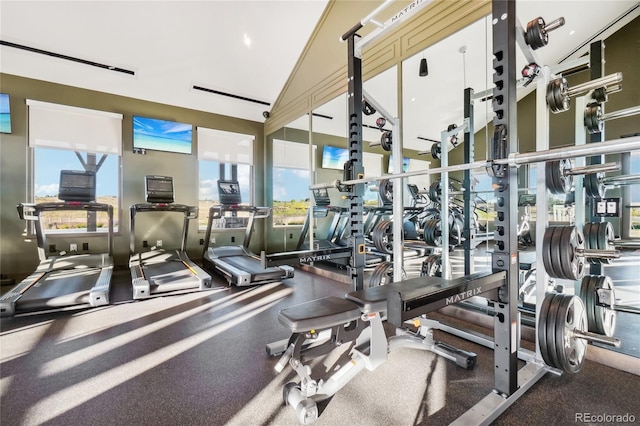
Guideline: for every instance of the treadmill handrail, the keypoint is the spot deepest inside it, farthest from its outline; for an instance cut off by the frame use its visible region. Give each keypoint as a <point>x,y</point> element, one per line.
<point>190,212</point>
<point>35,210</point>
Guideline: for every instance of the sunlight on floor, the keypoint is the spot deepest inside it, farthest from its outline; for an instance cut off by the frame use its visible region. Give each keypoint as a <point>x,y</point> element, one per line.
<point>62,401</point>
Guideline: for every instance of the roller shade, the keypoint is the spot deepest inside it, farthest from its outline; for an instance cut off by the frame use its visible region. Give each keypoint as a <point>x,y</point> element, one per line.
<point>225,147</point>
<point>372,164</point>
<point>77,129</point>
<point>290,155</point>
<point>422,181</point>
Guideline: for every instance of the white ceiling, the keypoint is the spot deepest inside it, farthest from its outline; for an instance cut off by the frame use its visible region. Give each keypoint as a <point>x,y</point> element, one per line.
<point>431,103</point>
<point>171,46</point>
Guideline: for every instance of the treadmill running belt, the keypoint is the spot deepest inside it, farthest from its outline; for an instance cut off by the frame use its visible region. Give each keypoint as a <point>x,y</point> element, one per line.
<point>59,289</point>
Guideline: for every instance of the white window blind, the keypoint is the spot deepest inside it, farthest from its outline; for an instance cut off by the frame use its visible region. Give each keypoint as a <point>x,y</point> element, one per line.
<point>290,155</point>
<point>225,147</point>
<point>72,128</point>
<point>422,181</point>
<point>372,164</point>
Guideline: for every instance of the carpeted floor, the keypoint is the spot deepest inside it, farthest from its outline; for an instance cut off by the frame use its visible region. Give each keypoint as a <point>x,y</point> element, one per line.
<point>199,359</point>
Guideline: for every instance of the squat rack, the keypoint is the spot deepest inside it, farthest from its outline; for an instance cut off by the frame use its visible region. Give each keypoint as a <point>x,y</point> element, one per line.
<point>510,382</point>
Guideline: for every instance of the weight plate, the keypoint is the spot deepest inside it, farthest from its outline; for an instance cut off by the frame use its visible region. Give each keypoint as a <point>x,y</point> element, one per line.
<point>604,314</point>
<point>571,350</point>
<point>542,327</point>
<point>435,191</point>
<point>586,290</point>
<point>565,181</point>
<point>557,100</point>
<point>386,140</point>
<point>435,151</point>
<point>382,236</point>
<point>593,236</point>
<point>552,319</point>
<point>586,230</point>
<point>605,238</point>
<point>557,248</point>
<point>382,274</point>
<point>551,169</point>
<point>577,243</point>
<point>546,251</point>
<point>566,253</point>
<point>386,191</point>
<point>590,185</point>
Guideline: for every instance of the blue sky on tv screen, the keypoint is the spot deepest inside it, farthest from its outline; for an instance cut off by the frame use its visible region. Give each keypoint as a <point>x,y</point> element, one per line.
<point>162,135</point>
<point>5,117</point>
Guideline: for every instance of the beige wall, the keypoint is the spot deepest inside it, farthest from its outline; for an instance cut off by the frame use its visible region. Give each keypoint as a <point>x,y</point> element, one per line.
<point>19,257</point>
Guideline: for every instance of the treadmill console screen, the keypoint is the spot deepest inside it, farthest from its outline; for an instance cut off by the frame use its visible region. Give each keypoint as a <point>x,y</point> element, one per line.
<point>321,196</point>
<point>77,185</point>
<point>159,189</point>
<point>414,191</point>
<point>229,191</point>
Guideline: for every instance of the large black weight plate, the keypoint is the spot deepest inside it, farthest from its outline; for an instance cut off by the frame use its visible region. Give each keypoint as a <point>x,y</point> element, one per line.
<point>570,349</point>
<point>572,264</point>
<point>382,274</point>
<point>546,251</point>
<point>386,140</point>
<point>552,318</point>
<point>386,191</point>
<point>550,180</point>
<point>593,186</point>
<point>586,291</point>
<point>535,36</point>
<point>592,118</point>
<point>542,327</point>
<point>604,314</point>
<point>436,150</point>
<point>586,230</point>
<point>435,191</point>
<point>557,100</point>
<point>557,249</point>
<point>382,236</point>
<point>566,253</point>
<point>605,238</point>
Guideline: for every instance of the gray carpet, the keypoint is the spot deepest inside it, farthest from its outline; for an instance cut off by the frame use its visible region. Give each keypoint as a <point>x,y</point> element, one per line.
<point>199,359</point>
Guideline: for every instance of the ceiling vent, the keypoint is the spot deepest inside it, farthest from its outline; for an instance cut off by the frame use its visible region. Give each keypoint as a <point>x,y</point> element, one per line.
<point>66,57</point>
<point>230,95</point>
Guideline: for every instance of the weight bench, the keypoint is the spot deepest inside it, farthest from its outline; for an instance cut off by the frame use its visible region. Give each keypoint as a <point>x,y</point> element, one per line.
<point>320,326</point>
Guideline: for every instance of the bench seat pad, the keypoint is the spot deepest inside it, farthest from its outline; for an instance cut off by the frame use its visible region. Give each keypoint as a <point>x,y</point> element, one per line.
<point>319,314</point>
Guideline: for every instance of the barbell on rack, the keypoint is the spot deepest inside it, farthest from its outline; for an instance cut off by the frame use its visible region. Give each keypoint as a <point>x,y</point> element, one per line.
<point>594,118</point>
<point>537,32</point>
<point>595,184</point>
<point>559,174</point>
<point>562,332</point>
<point>559,93</point>
<point>564,252</point>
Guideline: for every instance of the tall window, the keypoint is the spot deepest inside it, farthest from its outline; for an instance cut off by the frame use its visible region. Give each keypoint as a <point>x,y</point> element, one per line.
<point>227,156</point>
<point>634,211</point>
<point>291,178</point>
<point>70,138</point>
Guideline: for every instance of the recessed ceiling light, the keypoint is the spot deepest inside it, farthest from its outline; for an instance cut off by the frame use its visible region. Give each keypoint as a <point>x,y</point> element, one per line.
<point>247,40</point>
<point>572,32</point>
<point>413,99</point>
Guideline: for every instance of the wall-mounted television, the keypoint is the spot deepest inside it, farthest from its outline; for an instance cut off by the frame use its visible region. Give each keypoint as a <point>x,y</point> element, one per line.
<point>405,164</point>
<point>161,135</point>
<point>5,114</point>
<point>334,157</point>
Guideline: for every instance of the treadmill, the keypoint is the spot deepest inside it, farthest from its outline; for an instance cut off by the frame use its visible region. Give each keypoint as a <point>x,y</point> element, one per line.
<point>157,270</point>
<point>236,263</point>
<point>66,280</point>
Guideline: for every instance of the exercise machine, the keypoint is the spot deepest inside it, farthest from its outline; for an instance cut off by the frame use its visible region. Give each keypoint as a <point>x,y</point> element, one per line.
<point>158,270</point>
<point>236,263</point>
<point>64,281</point>
<point>320,326</point>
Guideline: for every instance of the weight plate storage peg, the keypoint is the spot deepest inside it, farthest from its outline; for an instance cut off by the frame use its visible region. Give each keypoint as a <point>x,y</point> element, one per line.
<point>562,322</point>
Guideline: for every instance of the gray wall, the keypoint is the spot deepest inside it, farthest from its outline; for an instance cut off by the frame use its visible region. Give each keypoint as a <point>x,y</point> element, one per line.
<point>19,257</point>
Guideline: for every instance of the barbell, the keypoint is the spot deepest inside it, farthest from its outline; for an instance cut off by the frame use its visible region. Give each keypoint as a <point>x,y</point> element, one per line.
<point>564,252</point>
<point>559,93</point>
<point>537,32</point>
<point>563,332</point>
<point>594,118</point>
<point>559,174</point>
<point>595,184</point>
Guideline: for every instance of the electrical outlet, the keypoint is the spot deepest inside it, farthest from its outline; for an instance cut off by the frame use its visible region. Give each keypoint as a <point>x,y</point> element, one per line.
<point>52,248</point>
<point>233,239</point>
<point>290,236</point>
<point>201,241</point>
<point>145,243</point>
<point>159,243</point>
<point>85,246</point>
<point>73,247</point>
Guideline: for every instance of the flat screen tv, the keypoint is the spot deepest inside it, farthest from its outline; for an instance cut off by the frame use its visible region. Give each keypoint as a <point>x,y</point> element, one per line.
<point>161,135</point>
<point>405,164</point>
<point>334,157</point>
<point>5,114</point>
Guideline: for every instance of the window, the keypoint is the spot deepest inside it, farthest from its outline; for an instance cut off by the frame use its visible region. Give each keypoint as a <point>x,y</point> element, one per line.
<point>634,211</point>
<point>70,138</point>
<point>223,155</point>
<point>291,179</point>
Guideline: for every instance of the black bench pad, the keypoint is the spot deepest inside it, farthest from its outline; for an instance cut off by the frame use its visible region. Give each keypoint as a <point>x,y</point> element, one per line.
<point>373,299</point>
<point>319,314</point>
